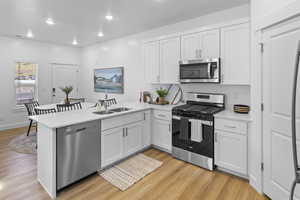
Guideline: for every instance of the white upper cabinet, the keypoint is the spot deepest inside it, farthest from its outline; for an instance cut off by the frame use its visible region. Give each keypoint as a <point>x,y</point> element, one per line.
<point>169,60</point>
<point>151,62</point>
<point>201,45</point>
<point>191,46</point>
<point>210,44</point>
<point>235,54</point>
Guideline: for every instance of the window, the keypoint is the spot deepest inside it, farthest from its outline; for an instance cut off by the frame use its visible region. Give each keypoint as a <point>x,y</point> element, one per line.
<point>25,82</point>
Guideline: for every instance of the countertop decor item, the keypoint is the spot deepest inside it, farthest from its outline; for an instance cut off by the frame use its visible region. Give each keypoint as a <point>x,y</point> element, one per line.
<point>162,93</point>
<point>109,80</point>
<point>67,90</point>
<point>242,109</point>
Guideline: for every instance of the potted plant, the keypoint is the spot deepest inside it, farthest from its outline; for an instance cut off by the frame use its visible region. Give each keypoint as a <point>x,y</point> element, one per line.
<point>67,90</point>
<point>162,93</point>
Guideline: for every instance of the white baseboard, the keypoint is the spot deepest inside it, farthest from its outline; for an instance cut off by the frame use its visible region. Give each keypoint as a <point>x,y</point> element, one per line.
<point>254,183</point>
<point>14,125</point>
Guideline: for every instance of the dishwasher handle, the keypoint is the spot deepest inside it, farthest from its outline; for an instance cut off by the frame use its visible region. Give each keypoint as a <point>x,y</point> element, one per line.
<point>80,129</point>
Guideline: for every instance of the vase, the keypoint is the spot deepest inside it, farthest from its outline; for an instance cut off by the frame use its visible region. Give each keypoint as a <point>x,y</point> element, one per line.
<point>161,100</point>
<point>67,101</point>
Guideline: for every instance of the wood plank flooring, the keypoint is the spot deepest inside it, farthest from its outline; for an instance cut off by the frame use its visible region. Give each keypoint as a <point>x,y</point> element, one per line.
<point>174,180</point>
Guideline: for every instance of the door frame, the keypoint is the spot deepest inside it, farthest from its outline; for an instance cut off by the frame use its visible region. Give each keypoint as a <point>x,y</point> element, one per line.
<point>52,76</point>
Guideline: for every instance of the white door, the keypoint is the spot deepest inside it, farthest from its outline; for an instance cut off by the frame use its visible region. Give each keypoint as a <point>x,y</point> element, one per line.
<point>169,60</point>
<point>235,54</point>
<point>210,44</point>
<point>111,146</point>
<point>63,75</point>
<point>133,138</point>
<point>191,46</point>
<point>280,45</point>
<point>231,151</point>
<point>162,136</point>
<point>151,62</point>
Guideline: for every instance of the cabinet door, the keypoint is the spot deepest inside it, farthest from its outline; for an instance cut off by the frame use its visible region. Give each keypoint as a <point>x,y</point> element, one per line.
<point>161,135</point>
<point>169,60</point>
<point>133,138</point>
<point>190,46</point>
<point>235,54</point>
<point>147,130</point>
<point>111,146</point>
<point>210,44</point>
<point>231,151</point>
<point>151,62</point>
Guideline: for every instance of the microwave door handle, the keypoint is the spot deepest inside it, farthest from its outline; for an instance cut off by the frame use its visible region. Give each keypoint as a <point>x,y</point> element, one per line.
<point>209,70</point>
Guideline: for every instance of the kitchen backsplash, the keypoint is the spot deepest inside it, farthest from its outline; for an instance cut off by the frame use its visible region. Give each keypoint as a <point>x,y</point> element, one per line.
<point>235,94</point>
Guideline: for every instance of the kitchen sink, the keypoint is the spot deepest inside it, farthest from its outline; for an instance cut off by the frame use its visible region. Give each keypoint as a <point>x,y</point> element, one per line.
<point>122,109</point>
<point>103,112</point>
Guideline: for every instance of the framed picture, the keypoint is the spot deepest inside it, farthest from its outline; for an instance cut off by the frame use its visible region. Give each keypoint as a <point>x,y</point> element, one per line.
<point>109,80</point>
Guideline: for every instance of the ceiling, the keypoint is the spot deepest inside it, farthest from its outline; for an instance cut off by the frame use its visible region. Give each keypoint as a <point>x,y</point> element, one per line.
<point>83,19</point>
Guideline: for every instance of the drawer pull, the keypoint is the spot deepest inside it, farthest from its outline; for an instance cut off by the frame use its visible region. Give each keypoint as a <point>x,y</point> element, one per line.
<point>227,126</point>
<point>216,137</point>
<point>161,115</point>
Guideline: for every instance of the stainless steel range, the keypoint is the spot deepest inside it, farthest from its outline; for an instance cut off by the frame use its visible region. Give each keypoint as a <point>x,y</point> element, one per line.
<point>193,128</point>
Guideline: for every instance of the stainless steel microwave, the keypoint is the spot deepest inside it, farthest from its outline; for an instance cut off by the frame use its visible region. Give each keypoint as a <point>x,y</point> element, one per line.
<point>200,71</point>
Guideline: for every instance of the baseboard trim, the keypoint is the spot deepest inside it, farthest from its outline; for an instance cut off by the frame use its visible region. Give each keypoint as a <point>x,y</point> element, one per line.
<point>254,183</point>
<point>15,125</point>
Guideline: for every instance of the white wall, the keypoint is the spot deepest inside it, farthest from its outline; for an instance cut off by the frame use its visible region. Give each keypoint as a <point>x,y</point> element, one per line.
<point>12,50</point>
<point>128,52</point>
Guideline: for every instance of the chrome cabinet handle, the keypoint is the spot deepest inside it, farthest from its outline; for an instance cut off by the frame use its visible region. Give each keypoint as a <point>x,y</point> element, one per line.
<point>216,137</point>
<point>123,132</point>
<point>227,126</point>
<point>162,115</point>
<point>169,127</point>
<point>126,132</point>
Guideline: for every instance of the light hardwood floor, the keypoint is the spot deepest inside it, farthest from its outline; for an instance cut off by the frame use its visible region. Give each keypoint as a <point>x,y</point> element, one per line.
<point>174,180</point>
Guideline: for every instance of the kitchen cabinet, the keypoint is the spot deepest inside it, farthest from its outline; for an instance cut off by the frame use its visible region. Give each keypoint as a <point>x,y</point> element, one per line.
<point>235,54</point>
<point>201,45</point>
<point>161,130</point>
<point>231,145</point>
<point>147,129</point>
<point>133,138</point>
<point>169,57</point>
<point>111,146</point>
<point>121,136</point>
<point>151,62</point>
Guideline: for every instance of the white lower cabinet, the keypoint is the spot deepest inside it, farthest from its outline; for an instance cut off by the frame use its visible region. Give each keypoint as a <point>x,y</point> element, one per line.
<point>147,129</point>
<point>123,140</point>
<point>161,134</point>
<point>111,146</point>
<point>231,148</point>
<point>133,138</point>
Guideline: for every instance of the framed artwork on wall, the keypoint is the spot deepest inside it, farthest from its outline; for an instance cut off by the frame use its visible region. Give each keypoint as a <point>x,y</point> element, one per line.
<point>109,80</point>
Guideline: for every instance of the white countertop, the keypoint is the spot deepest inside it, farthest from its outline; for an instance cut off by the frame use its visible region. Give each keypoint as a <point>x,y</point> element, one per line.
<point>228,114</point>
<point>62,119</point>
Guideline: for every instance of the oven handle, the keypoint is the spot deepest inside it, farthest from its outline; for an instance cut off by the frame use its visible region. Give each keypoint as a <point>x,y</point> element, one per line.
<point>205,122</point>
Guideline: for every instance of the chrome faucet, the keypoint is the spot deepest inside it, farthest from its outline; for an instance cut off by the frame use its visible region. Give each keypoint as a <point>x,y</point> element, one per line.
<point>105,104</point>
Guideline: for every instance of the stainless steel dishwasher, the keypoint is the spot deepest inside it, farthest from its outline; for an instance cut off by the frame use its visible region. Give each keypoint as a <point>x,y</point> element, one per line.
<point>78,152</point>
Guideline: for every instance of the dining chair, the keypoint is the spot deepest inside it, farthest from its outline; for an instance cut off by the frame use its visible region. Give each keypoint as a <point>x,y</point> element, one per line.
<point>69,107</point>
<point>39,111</point>
<point>108,102</point>
<point>30,110</point>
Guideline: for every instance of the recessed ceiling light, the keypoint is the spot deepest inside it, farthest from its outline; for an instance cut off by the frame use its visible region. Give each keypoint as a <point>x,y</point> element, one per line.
<point>74,42</point>
<point>109,17</point>
<point>29,34</point>
<point>50,21</point>
<point>100,34</point>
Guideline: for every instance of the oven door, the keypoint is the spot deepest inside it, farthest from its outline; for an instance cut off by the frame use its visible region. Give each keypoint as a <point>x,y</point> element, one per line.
<point>191,71</point>
<point>193,135</point>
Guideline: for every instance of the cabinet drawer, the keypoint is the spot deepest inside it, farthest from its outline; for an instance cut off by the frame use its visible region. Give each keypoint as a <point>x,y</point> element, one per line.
<point>121,120</point>
<point>164,115</point>
<point>231,126</point>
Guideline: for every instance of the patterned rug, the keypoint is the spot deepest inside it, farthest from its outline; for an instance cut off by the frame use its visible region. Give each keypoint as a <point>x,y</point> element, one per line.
<point>130,171</point>
<point>24,144</point>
